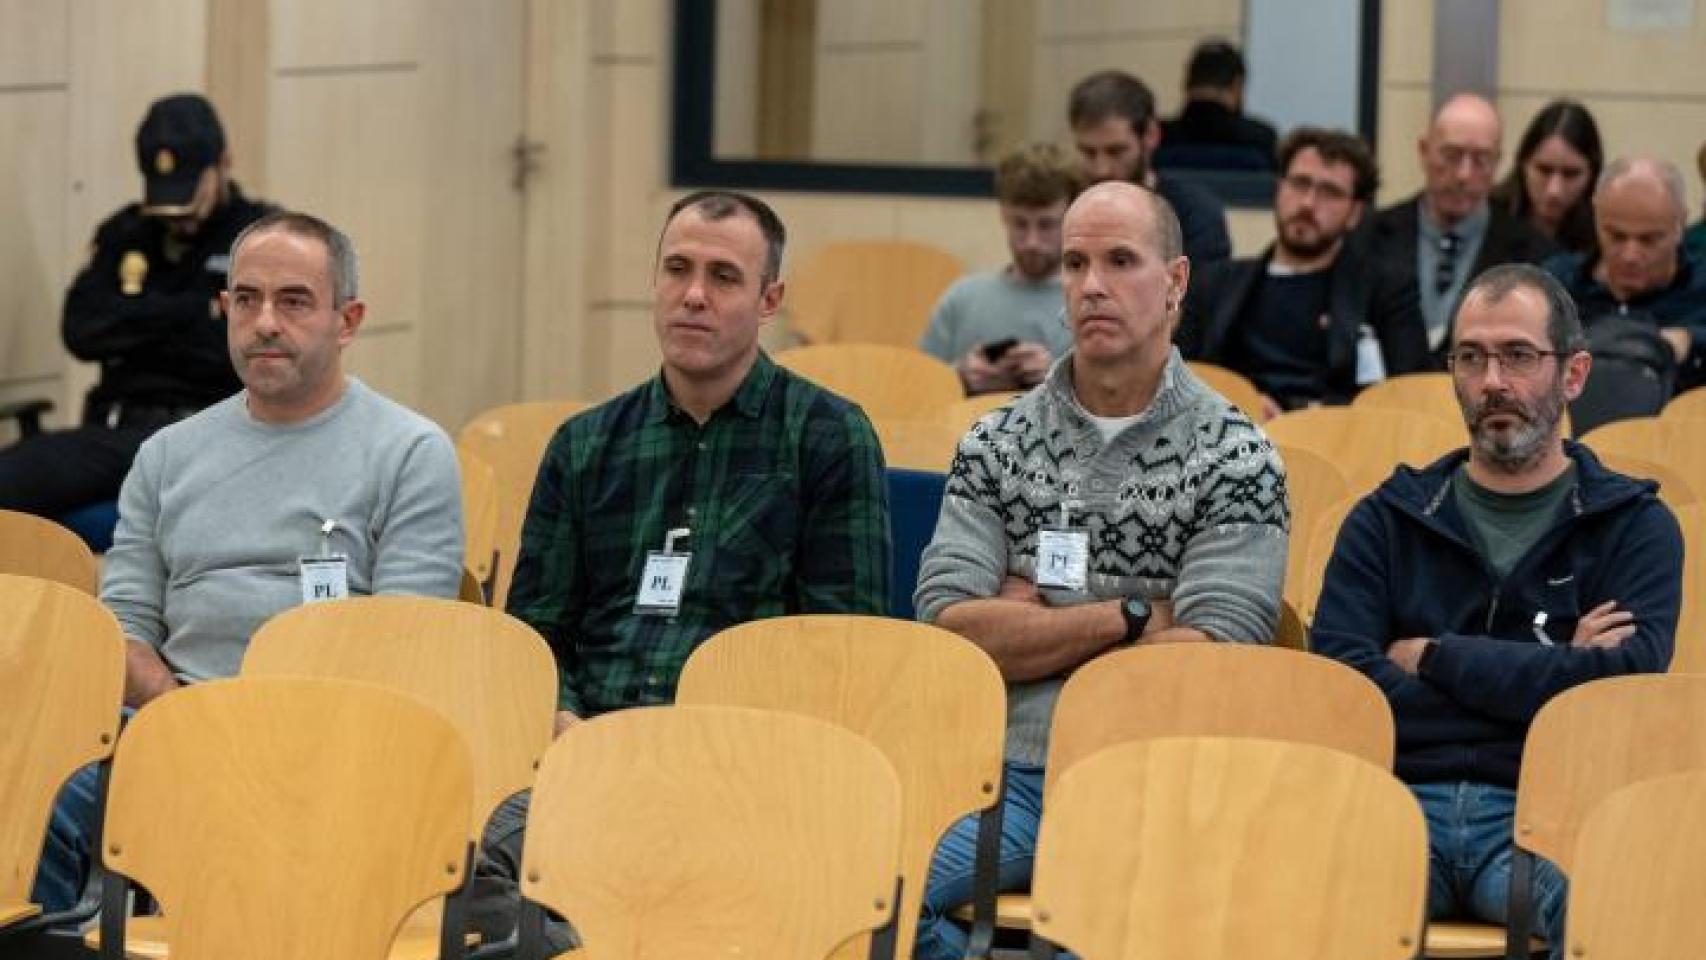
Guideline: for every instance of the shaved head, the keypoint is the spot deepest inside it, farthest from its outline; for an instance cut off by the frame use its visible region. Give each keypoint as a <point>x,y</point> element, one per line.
<point>1467,111</point>
<point>1161,222</point>
<point>1459,155</point>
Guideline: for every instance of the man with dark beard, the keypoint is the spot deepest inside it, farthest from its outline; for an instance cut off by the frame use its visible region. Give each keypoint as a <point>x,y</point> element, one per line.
<point>1312,320</point>
<point>1476,589</point>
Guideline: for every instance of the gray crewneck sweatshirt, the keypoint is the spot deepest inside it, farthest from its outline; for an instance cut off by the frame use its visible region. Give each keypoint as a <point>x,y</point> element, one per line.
<point>1187,503</point>
<point>219,508</point>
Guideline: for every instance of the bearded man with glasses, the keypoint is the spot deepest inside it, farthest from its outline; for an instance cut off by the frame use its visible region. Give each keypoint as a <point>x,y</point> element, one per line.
<point>1475,590</point>
<point>1312,320</point>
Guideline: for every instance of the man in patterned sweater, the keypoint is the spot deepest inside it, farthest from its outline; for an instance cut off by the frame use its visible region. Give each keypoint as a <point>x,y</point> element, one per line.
<point>1120,502</point>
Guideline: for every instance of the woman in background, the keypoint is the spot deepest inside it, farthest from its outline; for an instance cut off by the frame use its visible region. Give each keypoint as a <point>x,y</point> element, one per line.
<point>1551,184</point>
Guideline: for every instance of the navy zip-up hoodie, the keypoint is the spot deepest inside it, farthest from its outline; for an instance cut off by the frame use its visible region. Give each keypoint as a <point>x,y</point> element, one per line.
<point>1405,565</point>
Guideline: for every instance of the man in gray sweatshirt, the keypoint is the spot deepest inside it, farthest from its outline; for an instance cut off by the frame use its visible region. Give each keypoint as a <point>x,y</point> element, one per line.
<point>1119,502</point>
<point>306,485</point>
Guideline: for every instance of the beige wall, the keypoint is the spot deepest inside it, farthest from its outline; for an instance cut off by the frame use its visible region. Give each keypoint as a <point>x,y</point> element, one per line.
<point>397,117</point>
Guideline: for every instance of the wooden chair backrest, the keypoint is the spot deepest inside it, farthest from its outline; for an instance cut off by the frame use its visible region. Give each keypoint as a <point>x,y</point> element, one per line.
<point>1367,442</point>
<point>1322,540</point>
<point>961,414</point>
<point>699,831</point>
<point>1690,653</point>
<point>488,673</point>
<point>1687,405</point>
<point>1674,488</point>
<point>512,440</point>
<point>1677,442</point>
<point>1590,740</point>
<point>288,818</point>
<point>933,702</point>
<point>872,291</point>
<point>917,444</point>
<point>33,547</point>
<point>1640,866</point>
<point>1206,848</point>
<point>61,686</point>
<point>1315,485</point>
<point>1431,393</point>
<point>1232,385</point>
<point>480,506</point>
<point>901,383</point>
<point>1218,690</point>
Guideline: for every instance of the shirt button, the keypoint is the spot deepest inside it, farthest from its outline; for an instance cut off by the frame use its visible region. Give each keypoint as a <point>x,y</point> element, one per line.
<point>653,680</point>
<point>701,446</point>
<point>692,511</point>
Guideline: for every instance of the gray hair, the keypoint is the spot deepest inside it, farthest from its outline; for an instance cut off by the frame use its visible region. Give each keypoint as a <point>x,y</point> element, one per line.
<point>341,261</point>
<point>1663,171</point>
<point>1563,321</point>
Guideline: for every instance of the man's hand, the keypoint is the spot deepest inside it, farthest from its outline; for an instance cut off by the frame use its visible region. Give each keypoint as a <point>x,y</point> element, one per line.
<point>1027,363</point>
<point>1679,340</point>
<point>1020,590</point>
<point>1270,408</point>
<point>1407,653</point>
<point>1604,626</point>
<point>146,675</point>
<point>564,720</point>
<point>980,375</point>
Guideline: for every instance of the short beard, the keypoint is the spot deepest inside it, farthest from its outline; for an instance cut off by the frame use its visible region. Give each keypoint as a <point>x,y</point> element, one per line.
<point>1511,452</point>
<point>1306,251</point>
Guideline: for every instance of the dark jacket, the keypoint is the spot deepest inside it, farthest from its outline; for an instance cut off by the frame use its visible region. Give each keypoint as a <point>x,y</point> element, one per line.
<point>1202,218</point>
<point>1682,304</point>
<point>1207,123</point>
<point>162,344</point>
<point>1392,233</point>
<point>1360,290</point>
<point>1404,566</point>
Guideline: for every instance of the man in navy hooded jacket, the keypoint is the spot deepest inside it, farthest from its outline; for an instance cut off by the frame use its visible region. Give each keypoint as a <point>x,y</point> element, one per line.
<point>1475,590</point>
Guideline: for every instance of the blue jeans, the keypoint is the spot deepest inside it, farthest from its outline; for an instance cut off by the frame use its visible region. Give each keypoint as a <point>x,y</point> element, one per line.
<point>950,883</point>
<point>65,853</point>
<point>1469,852</point>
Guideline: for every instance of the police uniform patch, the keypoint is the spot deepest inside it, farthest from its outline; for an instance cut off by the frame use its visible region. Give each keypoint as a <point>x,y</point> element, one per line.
<point>132,271</point>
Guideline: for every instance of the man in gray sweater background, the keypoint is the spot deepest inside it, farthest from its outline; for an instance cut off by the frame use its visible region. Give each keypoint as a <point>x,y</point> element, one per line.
<point>305,486</point>
<point>1121,501</point>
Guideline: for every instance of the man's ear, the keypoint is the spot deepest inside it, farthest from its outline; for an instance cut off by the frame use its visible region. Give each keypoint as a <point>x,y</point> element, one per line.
<point>1576,369</point>
<point>350,316</point>
<point>770,300</point>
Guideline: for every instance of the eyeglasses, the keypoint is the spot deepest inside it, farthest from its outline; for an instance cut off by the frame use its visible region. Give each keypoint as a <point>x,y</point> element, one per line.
<point>1471,361</point>
<point>1479,159</point>
<point>1326,189</point>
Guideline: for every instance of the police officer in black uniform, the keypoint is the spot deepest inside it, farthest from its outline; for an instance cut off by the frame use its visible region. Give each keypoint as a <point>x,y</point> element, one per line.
<point>146,308</point>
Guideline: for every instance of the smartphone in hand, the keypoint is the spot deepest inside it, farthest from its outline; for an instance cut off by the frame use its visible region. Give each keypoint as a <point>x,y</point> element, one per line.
<point>993,352</point>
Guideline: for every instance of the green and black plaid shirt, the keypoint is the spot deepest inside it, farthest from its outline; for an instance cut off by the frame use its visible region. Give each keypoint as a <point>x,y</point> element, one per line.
<point>783,490</point>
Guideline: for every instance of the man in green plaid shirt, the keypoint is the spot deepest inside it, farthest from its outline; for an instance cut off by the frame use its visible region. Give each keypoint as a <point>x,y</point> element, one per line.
<point>722,490</point>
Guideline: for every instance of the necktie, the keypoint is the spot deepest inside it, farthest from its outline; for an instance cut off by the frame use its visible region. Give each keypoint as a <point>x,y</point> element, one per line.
<point>1446,269</point>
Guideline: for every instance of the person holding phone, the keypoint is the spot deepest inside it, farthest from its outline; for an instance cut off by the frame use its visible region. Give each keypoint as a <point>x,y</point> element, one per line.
<point>1002,329</point>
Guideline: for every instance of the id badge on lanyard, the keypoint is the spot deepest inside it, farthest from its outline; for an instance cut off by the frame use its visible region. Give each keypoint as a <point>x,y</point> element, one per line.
<point>664,578</point>
<point>1063,554</point>
<point>325,577</point>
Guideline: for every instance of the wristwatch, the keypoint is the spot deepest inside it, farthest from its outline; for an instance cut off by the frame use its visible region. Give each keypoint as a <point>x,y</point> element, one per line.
<point>1136,613</point>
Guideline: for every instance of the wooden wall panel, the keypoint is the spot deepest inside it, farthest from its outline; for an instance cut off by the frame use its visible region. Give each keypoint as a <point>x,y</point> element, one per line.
<point>32,260</point>
<point>329,34</point>
<point>34,43</point>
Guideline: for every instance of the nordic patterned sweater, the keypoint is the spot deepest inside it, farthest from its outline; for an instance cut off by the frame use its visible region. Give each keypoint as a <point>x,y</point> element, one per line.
<point>1186,504</point>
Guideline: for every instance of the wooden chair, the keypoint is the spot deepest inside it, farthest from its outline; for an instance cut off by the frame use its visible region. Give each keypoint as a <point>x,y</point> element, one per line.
<point>917,444</point>
<point>1429,393</point>
<point>1690,653</point>
<point>1239,848</point>
<point>1210,690</point>
<point>1366,442</point>
<point>961,414</point>
<point>704,832</point>
<point>1640,866</point>
<point>1687,405</point>
<point>1585,744</point>
<point>1232,385</point>
<point>1674,489</point>
<point>931,701</point>
<point>61,686</point>
<point>901,383</point>
<point>1315,485</point>
<point>512,440</point>
<point>1676,442</point>
<point>34,547</point>
<point>872,291</point>
<point>1291,634</point>
<point>284,818</point>
<point>489,674</point>
<point>1322,540</point>
<point>480,501</point>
